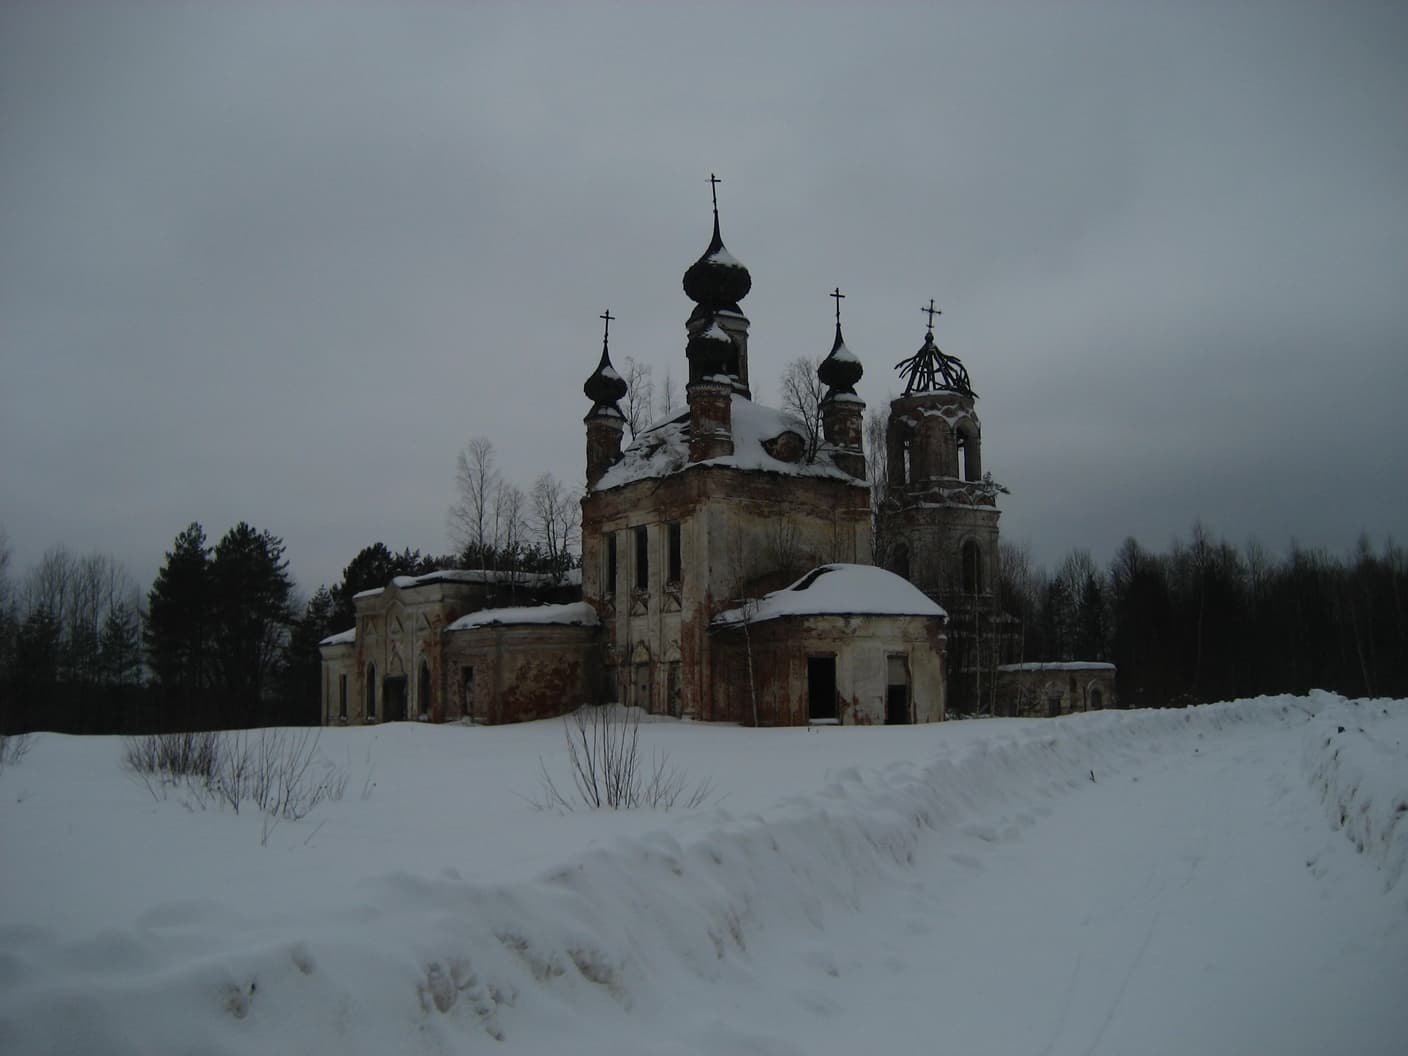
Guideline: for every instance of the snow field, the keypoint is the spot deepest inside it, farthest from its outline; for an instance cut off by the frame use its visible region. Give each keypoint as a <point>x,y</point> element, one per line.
<point>443,913</point>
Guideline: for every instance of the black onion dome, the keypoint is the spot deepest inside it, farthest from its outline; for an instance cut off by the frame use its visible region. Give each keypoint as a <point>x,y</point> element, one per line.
<point>605,386</point>
<point>840,370</point>
<point>718,277</point>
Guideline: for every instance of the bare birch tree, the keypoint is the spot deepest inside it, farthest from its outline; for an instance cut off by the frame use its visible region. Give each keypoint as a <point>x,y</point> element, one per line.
<point>554,520</point>
<point>477,485</point>
<point>802,391</point>
<point>640,395</point>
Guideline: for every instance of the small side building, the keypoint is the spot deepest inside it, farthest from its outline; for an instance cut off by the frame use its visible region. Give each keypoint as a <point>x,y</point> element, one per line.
<point>845,645</point>
<point>530,662</point>
<point>393,666</point>
<point>1052,689</point>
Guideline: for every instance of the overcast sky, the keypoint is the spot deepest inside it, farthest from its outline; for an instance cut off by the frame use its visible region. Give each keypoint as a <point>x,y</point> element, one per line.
<point>279,262</point>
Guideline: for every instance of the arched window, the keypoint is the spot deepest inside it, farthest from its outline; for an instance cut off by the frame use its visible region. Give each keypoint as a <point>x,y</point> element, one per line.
<point>901,561</point>
<point>423,690</point>
<point>970,461</point>
<point>371,691</point>
<point>1097,699</point>
<point>972,567</point>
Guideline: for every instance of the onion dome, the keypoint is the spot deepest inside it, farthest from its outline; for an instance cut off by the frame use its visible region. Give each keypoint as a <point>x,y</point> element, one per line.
<point>605,386</point>
<point>840,370</point>
<point>718,277</point>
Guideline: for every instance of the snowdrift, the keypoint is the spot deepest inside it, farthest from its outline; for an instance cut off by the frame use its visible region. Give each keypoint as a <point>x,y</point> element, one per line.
<point>651,908</point>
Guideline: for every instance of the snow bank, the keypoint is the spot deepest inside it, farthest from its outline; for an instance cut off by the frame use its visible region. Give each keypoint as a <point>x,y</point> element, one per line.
<point>1356,754</point>
<point>632,916</point>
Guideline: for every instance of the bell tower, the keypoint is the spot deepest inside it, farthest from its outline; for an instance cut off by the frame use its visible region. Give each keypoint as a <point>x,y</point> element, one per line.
<point>939,512</point>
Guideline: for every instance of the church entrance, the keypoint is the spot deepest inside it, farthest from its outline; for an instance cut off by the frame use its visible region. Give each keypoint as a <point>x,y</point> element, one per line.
<point>393,699</point>
<point>897,691</point>
<point>821,689</point>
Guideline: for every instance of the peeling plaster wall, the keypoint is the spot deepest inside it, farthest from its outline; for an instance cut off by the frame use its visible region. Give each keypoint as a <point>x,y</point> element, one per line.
<point>521,671</point>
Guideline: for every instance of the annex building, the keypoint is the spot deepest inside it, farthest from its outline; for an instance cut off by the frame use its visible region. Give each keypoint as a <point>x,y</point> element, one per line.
<point>730,570</point>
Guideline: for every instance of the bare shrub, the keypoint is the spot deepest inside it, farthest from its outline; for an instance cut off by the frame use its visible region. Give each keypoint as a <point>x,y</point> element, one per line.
<point>279,771</point>
<point>609,770</point>
<point>12,748</point>
<point>174,755</point>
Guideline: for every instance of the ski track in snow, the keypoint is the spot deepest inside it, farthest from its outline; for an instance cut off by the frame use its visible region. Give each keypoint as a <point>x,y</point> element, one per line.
<point>1193,896</point>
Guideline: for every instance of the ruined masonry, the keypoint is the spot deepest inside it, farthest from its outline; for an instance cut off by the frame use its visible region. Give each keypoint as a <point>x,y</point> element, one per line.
<point>728,574</point>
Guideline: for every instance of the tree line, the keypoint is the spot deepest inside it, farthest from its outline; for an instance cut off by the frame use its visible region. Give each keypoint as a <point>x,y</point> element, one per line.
<point>1208,620</point>
<point>221,639</point>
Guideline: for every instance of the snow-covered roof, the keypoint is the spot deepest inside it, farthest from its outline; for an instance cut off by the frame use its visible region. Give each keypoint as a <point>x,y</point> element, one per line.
<point>465,575</point>
<point>1069,665</point>
<point>346,637</point>
<point>839,590</point>
<point>577,613</point>
<point>663,449</point>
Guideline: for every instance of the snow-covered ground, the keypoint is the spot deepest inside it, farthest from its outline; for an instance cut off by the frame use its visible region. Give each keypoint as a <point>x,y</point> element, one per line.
<point>1226,879</point>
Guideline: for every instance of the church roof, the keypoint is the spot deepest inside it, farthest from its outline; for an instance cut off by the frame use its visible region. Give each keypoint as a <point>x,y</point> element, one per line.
<point>838,590</point>
<point>663,449</point>
<point>577,613</point>
<point>464,575</point>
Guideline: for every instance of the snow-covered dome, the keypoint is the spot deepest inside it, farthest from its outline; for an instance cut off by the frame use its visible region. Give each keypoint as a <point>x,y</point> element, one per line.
<point>839,590</point>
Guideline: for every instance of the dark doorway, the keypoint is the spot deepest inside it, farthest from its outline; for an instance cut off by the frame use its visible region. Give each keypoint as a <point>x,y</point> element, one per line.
<point>897,691</point>
<point>821,688</point>
<point>423,701</point>
<point>393,699</point>
<point>467,692</point>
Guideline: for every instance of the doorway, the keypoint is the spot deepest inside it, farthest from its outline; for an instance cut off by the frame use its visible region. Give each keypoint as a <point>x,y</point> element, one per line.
<point>393,698</point>
<point>897,691</point>
<point>821,689</point>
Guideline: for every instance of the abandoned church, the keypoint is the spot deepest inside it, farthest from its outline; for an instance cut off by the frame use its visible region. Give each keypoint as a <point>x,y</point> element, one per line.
<point>729,572</point>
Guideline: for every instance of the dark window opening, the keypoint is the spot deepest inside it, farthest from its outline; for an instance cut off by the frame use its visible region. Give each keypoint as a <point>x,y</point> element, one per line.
<point>642,558</point>
<point>423,690</point>
<point>342,696</point>
<point>901,561</point>
<point>610,585</point>
<point>371,691</point>
<point>673,689</point>
<point>972,568</point>
<point>906,468</point>
<point>675,561</point>
<point>1097,699</point>
<point>642,687</point>
<point>821,688</point>
<point>467,691</point>
<point>812,576</point>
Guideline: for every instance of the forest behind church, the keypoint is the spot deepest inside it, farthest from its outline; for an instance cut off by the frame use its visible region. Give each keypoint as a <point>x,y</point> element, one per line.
<point>221,638</point>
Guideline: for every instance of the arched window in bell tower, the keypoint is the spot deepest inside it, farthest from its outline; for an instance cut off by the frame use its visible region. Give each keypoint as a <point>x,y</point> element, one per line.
<point>972,567</point>
<point>970,461</point>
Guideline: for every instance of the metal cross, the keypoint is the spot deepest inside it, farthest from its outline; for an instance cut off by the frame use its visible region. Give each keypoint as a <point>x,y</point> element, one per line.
<point>838,295</point>
<point>608,317</point>
<point>714,182</point>
<point>932,311</point>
